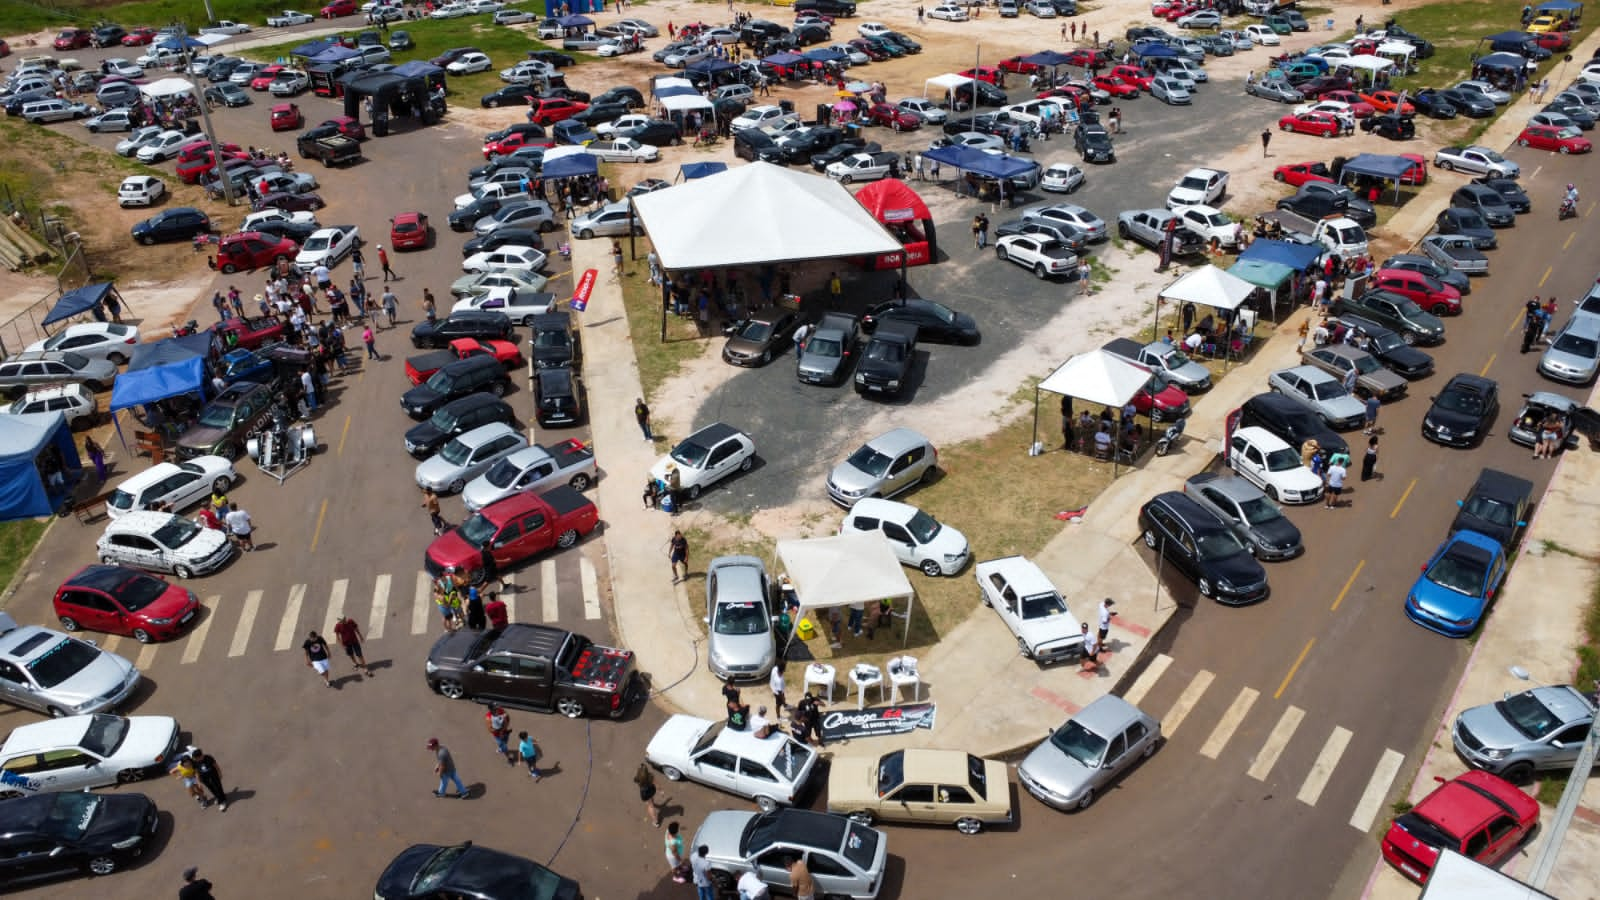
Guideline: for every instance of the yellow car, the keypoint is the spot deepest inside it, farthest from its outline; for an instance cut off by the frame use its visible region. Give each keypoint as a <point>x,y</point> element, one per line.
<point>1544,23</point>
<point>942,787</point>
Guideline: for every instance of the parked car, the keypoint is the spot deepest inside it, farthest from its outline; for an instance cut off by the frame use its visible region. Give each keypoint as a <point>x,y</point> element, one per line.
<point>163,542</point>
<point>1255,518</point>
<point>1480,816</point>
<point>535,667</point>
<point>1089,753</point>
<point>112,342</point>
<point>467,456</point>
<point>846,858</point>
<point>1202,547</point>
<point>742,643</point>
<point>27,370</point>
<point>755,340</point>
<point>1461,412</point>
<point>1539,405</point>
<point>1031,607</point>
<point>1290,421</point>
<point>1538,730</point>
<point>1573,356</point>
<point>1457,584</point>
<point>468,870</point>
<point>172,486</point>
<point>934,321</point>
<point>1338,360</point>
<point>774,771</point>
<point>917,539</point>
<point>61,675</point>
<point>455,418</point>
<point>227,421</point>
<point>829,350</point>
<point>76,753</point>
<point>106,832</point>
<point>885,466</point>
<point>705,457</point>
<point>922,787</point>
<point>1496,506</point>
<point>1266,460</point>
<point>73,401</point>
<point>179,223</point>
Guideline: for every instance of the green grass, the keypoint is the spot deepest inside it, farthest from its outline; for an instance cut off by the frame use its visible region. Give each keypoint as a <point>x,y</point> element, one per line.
<point>17,540</point>
<point>658,360</point>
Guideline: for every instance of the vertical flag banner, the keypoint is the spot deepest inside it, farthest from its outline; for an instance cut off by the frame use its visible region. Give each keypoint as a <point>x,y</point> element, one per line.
<point>585,287</point>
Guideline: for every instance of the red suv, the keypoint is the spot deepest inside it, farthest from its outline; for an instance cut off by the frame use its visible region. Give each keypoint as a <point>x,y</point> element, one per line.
<point>1481,816</point>
<point>121,601</point>
<point>1426,291</point>
<point>73,39</point>
<point>340,8</point>
<point>252,250</point>
<point>550,110</point>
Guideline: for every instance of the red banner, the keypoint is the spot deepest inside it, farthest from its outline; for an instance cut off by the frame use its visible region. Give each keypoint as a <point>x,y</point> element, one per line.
<point>580,294</point>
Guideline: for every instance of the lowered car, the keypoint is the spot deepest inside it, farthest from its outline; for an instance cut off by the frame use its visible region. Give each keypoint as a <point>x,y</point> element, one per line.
<point>1042,256</point>
<point>60,675</point>
<point>1480,816</point>
<point>934,321</point>
<point>885,466</point>
<point>76,753</point>
<point>50,835</point>
<point>163,542</point>
<point>534,468</point>
<point>1267,461</point>
<point>742,643</point>
<point>1538,730</point>
<point>109,341</point>
<point>1372,377</point>
<point>327,247</point>
<point>921,787</point>
<point>1321,392</point>
<point>1089,753</point>
<point>172,486</point>
<point>1477,160</point>
<point>773,771</point>
<point>1496,506</point>
<point>467,456</point>
<point>1427,265</point>
<point>1573,356</point>
<point>706,457</point>
<point>1537,406</point>
<point>754,341</point>
<point>917,539</point>
<point>1461,412</point>
<point>1031,607</point>
<point>469,872</point>
<point>1253,516</point>
<point>23,371</point>
<point>1457,584</point>
<point>847,859</point>
<point>1202,547</point>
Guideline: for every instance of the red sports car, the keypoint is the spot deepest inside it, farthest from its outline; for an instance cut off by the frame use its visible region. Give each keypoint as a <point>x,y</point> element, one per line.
<point>286,117</point>
<point>1016,66</point>
<point>1386,101</point>
<point>550,110</point>
<point>892,116</point>
<point>1133,75</point>
<point>1296,174</point>
<point>1115,86</point>
<point>73,39</point>
<point>1358,107</point>
<point>1317,123</point>
<point>265,77</point>
<point>1481,816</point>
<point>1558,140</point>
<point>994,76</point>
<point>408,231</point>
<point>138,37</point>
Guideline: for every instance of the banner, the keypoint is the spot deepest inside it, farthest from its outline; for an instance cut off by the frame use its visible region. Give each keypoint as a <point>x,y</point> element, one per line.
<point>842,724</point>
<point>580,294</point>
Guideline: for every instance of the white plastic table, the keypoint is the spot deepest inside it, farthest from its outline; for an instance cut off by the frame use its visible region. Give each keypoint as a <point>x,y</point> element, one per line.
<point>820,674</point>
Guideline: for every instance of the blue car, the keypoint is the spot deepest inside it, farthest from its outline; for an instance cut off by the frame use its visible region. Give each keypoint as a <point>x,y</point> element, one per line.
<point>245,365</point>
<point>1455,587</point>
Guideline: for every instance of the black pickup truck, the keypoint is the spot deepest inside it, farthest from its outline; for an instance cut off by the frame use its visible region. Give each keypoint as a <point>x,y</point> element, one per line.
<point>327,144</point>
<point>535,667</point>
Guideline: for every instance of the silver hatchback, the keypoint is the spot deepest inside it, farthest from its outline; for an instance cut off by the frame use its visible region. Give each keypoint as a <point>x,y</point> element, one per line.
<point>883,467</point>
<point>1089,752</point>
<point>742,645</point>
<point>1532,731</point>
<point>1574,353</point>
<point>61,675</point>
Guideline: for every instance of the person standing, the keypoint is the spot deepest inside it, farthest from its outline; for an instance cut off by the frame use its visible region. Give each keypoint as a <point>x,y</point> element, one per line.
<point>1371,413</point>
<point>646,782</point>
<point>700,872</point>
<point>240,527</point>
<point>677,863</point>
<point>1266,138</point>
<point>498,722</point>
<point>194,887</point>
<point>496,612</point>
<point>858,611</point>
<point>1350,378</point>
<point>391,306</point>
<point>183,770</point>
<point>309,389</point>
<point>983,230</point>
<point>1334,476</point>
<point>641,414</point>
<point>476,620</point>
<point>528,752</point>
<point>678,555</point>
<point>444,768</point>
<point>430,502</point>
<point>349,635</point>
<point>383,261</point>
<point>429,309</point>
<point>977,234</point>
<point>1083,275</point>
<point>805,888</point>
<point>1106,612</point>
<point>316,649</point>
<point>1091,650</point>
<point>616,258</point>
<point>371,341</point>
<point>210,775</point>
<point>358,262</point>
<point>1369,460</point>
<point>835,289</point>
<point>97,456</point>
<point>775,683</point>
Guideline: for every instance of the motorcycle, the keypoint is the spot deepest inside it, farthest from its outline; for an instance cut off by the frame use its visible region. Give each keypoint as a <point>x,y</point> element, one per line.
<point>1174,431</point>
<point>1569,209</point>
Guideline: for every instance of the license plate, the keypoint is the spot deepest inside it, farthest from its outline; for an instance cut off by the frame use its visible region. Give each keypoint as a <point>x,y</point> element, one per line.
<point>187,617</point>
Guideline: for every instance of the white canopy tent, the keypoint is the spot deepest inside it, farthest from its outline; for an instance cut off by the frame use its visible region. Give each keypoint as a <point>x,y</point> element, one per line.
<point>167,87</point>
<point>945,83</point>
<point>1210,286</point>
<point>858,567</point>
<point>684,102</point>
<point>733,220</point>
<point>1369,66</point>
<point>1094,377</point>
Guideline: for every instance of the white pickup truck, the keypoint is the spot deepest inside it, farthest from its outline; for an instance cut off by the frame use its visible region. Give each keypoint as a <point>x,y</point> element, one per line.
<point>1031,607</point>
<point>1341,235</point>
<point>520,305</point>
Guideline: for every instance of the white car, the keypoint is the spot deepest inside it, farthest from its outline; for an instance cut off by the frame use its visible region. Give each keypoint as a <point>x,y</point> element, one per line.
<point>1061,177</point>
<point>526,71</point>
<point>509,256</point>
<point>121,67</point>
<point>1261,34</point>
<point>140,190</point>
<point>857,57</point>
<point>468,455</point>
<point>482,283</point>
<point>1337,108</point>
<point>693,53</point>
<point>159,56</point>
<point>163,542</point>
<point>484,6</point>
<point>1042,9</point>
<point>1198,187</point>
<point>1041,255</point>
<point>622,123</point>
<point>623,150</point>
<point>1029,605</point>
<point>267,216</point>
<point>1171,91</point>
<point>521,304</point>
<point>226,27</point>
<point>166,145</point>
<point>289,83</point>
<point>110,341</point>
<point>450,11</point>
<point>286,182</point>
<point>772,771</point>
<point>71,400</point>
<point>918,539</point>
<point>76,753</point>
<point>706,457</point>
<point>1205,18</point>
<point>176,486</point>
<point>1210,223</point>
<point>289,18</point>
<point>327,246</point>
<point>1268,462</point>
<point>976,140</point>
<point>637,26</point>
<point>469,63</point>
<point>755,117</point>
<point>873,29</point>
<point>950,12</point>
<point>514,17</point>
<point>533,468</point>
<point>927,109</point>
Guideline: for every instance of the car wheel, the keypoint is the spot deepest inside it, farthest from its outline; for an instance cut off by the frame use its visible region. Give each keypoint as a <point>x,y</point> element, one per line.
<point>861,817</point>
<point>143,637</point>
<point>1410,337</point>
<point>182,571</point>
<point>1564,151</point>
<point>1039,271</point>
<point>671,773</point>
<point>845,179</point>
<point>229,268</point>
<point>766,804</point>
<point>221,485</point>
<point>1087,800</point>
<point>567,538</point>
<point>456,486</point>
<point>1448,166</point>
<point>1204,584</point>
<point>69,624</point>
<point>148,240</point>
<point>586,233</point>
<point>55,712</point>
<point>102,865</point>
<point>1150,538</point>
<point>968,825</point>
<point>748,464</point>
<point>452,689</point>
<point>570,707</point>
<point>1122,229</point>
<point>931,568</point>
<point>1272,492</point>
<point>129,776</point>
<point>1518,773</point>
<point>579,482</point>
<point>498,389</point>
<point>722,880</point>
<point>694,492</point>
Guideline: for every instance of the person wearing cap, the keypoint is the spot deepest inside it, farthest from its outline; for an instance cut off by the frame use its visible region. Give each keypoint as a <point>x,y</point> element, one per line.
<point>383,261</point>
<point>444,766</point>
<point>1106,612</point>
<point>194,887</point>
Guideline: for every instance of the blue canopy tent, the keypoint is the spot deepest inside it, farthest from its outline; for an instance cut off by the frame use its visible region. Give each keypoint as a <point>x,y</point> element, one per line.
<point>173,43</point>
<point>1048,58</point>
<point>419,68</point>
<point>313,48</point>
<point>33,446</point>
<point>1508,36</point>
<point>81,300</point>
<point>1507,62</point>
<point>1566,6</point>
<point>336,54</point>
<point>157,371</point>
<point>783,59</point>
<point>825,55</point>
<point>998,166</point>
<point>570,167</point>
<point>1153,51</point>
<point>663,90</point>
<point>1262,274</point>
<point>710,67</point>
<point>691,171</point>
<point>1378,165</point>
<point>1298,257</point>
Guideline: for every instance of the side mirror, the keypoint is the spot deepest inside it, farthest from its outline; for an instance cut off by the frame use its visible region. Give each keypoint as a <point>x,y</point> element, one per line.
<point>1521,524</point>
<point>478,669</point>
<point>1459,503</point>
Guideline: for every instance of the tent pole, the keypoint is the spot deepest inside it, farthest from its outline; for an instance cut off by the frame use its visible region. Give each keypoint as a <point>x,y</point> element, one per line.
<point>911,603</point>
<point>1035,419</point>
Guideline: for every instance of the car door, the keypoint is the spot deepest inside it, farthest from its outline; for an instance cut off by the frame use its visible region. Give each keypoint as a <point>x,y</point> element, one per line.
<point>1239,456</point>
<point>70,769</point>
<point>1494,841</point>
<point>902,472</point>
<point>184,487</point>
<point>771,866</point>
<point>832,876</point>
<point>26,856</point>
<point>1115,760</point>
<point>1184,554</point>
<point>717,768</point>
<point>755,779</point>
<point>139,550</point>
<point>1222,505</point>
<point>535,536</point>
<point>912,802</point>
<point>508,545</point>
<point>900,539</point>
<point>492,677</point>
<point>720,462</point>
<point>91,610</point>
<point>16,687</point>
<point>535,474</point>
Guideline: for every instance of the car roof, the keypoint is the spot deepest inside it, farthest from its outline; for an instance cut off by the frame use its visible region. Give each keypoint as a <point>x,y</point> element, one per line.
<point>897,441</point>
<point>1309,373</point>
<point>1344,350</point>
<point>1110,714</point>
<point>1021,573</point>
<point>1501,485</point>
<point>1262,438</point>
<point>555,380</point>
<point>60,732</point>
<point>1460,809</point>
<point>1192,514</point>
<point>940,766</point>
<point>1468,381</point>
<point>1552,401</point>
<point>483,434</point>
<point>541,640</point>
<point>149,476</point>
<point>139,521</point>
<point>1231,486</point>
<point>896,330</point>
<point>24,643</point>
<point>715,433</point>
<point>807,828</point>
<point>889,510</point>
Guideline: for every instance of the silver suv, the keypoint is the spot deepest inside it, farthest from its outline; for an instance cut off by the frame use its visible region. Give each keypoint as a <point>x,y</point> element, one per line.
<point>1532,731</point>
<point>883,467</point>
<point>49,367</point>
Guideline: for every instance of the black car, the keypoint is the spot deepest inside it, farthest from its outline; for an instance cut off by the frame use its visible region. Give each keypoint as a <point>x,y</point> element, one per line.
<point>520,158</point>
<point>294,231</point>
<point>107,35</point>
<point>562,92</point>
<point>1148,32</point>
<point>553,57</point>
<point>1094,143</point>
<point>903,41</point>
<point>227,94</point>
<point>1486,202</point>
<point>1203,547</point>
<point>556,400</point>
<point>1461,413</point>
<point>840,8</point>
<point>754,144</point>
<point>180,223</point>
<point>656,133</point>
<point>1497,507</point>
<point>1457,220</point>
<point>457,417</point>
<point>1473,106</point>
<point>510,95</point>
<point>457,379</point>
<point>755,30</point>
<point>814,140</point>
<point>1390,348</point>
<point>1391,126</point>
<point>934,321</point>
<point>466,872</point>
<point>988,94</point>
<point>1509,190</point>
<point>602,112</point>
<point>1434,104</point>
<point>554,342</point>
<point>885,364</point>
<point>451,55</point>
<point>1579,113</point>
<point>1289,420</point>
<point>221,68</point>
<point>467,216</point>
<point>821,161</point>
<point>468,323</point>
<point>808,33</point>
<point>500,237</point>
<point>49,835</point>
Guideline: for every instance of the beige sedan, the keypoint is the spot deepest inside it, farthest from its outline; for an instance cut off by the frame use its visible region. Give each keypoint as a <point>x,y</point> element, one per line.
<point>944,787</point>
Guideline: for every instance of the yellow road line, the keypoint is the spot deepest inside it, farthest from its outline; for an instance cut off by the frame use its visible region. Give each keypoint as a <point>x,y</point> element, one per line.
<point>1568,242</point>
<point>1346,589</point>
<point>1403,497</point>
<point>1485,370</point>
<point>343,433</point>
<point>317,534</point>
<point>1516,321</point>
<point>1294,668</point>
<point>1546,275</point>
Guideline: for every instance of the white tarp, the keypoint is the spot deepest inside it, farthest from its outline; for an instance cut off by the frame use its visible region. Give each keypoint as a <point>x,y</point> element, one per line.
<point>1369,63</point>
<point>671,84</point>
<point>209,38</point>
<point>945,83</point>
<point>1456,877</point>
<point>167,87</point>
<point>1395,48</point>
<point>1097,377</point>
<point>1210,286</point>
<point>858,567</point>
<point>758,213</point>
<point>684,102</point>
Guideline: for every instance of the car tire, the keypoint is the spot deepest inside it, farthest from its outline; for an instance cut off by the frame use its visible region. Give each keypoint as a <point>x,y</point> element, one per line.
<point>1204,584</point>
<point>1518,773</point>
<point>498,389</point>
<point>586,234</point>
<point>1564,151</point>
<point>722,880</point>
<point>1448,166</point>
<point>570,707</point>
<point>451,689</point>
<point>221,485</point>
<point>969,825</point>
<point>748,464</point>
<point>1150,538</point>
<point>129,776</point>
<point>931,568</point>
<point>579,482</point>
<point>767,804</point>
<point>693,492</point>
<point>101,865</point>
<point>148,240</point>
<point>1272,493</point>
<point>1040,272</point>
<point>182,571</point>
<point>1409,337</point>
<point>143,637</point>
<point>1087,800</point>
<point>567,538</point>
<point>845,179</point>
<point>861,817</point>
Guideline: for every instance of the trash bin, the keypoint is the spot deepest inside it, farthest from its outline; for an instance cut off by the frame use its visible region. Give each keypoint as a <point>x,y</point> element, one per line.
<point>852,131</point>
<point>805,631</point>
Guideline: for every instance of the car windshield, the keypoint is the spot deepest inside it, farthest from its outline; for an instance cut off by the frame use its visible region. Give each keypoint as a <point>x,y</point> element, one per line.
<point>476,531</point>
<point>64,660</point>
<point>1386,341</point>
<point>551,340</point>
<point>1283,459</point>
<point>891,772</point>
<point>1366,365</point>
<point>870,461</point>
<point>741,618</point>
<point>176,532</point>
<point>1259,510</point>
<point>105,734</point>
<point>792,759</point>
<point>1079,743</point>
<point>1220,544</point>
<point>1192,182</point>
<point>924,527</point>
<point>943,314</point>
<point>139,591</point>
<point>1577,345</point>
<point>1490,510</point>
<point>217,416</point>
<point>755,331</point>
<point>1427,831</point>
<point>456,452</point>
<point>1458,573</point>
<point>886,351</point>
<point>1043,606</point>
<point>1329,390</point>
<point>1466,402</point>
<point>1570,131</point>
<point>1528,715</point>
<point>70,815</point>
<point>434,871</point>
<point>861,845</point>
<point>691,454</point>
<point>503,473</point>
<point>75,360</point>
<point>317,242</point>
<point>441,381</point>
<point>1216,220</point>
<point>825,347</point>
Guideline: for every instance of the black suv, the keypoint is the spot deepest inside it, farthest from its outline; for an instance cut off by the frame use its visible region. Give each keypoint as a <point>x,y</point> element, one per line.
<point>180,223</point>
<point>1496,507</point>
<point>1290,421</point>
<point>554,342</point>
<point>468,323</point>
<point>458,379</point>
<point>555,397</point>
<point>1392,126</point>
<point>885,364</point>
<point>1204,548</point>
<point>1461,413</point>
<point>226,421</point>
<point>457,417</point>
<point>754,144</point>
<point>1094,144</point>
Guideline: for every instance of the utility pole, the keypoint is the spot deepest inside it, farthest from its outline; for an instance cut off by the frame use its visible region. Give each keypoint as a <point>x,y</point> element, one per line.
<point>205,119</point>
<point>1545,863</point>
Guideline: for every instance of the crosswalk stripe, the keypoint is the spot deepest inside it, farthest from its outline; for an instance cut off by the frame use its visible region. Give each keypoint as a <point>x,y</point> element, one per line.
<point>1148,678</point>
<point>197,637</point>
<point>1377,788</point>
<point>336,604</point>
<point>420,609</point>
<point>547,590</point>
<point>380,607</point>
<point>1229,723</point>
<point>1322,769</point>
<point>147,657</point>
<point>291,618</point>
<point>247,620</point>
<point>591,589</point>
<point>111,643</point>
<point>1185,703</point>
<point>508,596</point>
<point>1267,756</point>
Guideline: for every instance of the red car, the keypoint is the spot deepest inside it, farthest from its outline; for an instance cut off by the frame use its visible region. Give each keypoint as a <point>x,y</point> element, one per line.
<point>873,53</point>
<point>1428,292</point>
<point>408,231</point>
<point>515,141</point>
<point>340,8</point>
<point>350,128</point>
<point>253,250</point>
<point>1114,86</point>
<point>509,531</point>
<point>892,116</point>
<point>1296,174</point>
<point>994,76</point>
<point>1317,123</point>
<point>1418,173</point>
<point>550,110</point>
<point>1167,399</point>
<point>1016,66</point>
<point>1084,57</point>
<point>191,171</point>
<point>121,601</point>
<point>72,39</point>
<point>1177,12</point>
<point>1133,75</point>
<point>138,37</point>
<point>1358,107</point>
<point>1386,101</point>
<point>196,150</point>
<point>1554,41</point>
<point>286,117</point>
<point>504,352</point>
<point>1559,140</point>
<point>265,77</point>
<point>1481,816</point>
<point>1077,93</point>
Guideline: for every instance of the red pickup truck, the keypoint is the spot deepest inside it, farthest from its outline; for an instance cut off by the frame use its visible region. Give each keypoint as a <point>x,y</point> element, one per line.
<point>249,333</point>
<point>421,367</point>
<point>509,531</point>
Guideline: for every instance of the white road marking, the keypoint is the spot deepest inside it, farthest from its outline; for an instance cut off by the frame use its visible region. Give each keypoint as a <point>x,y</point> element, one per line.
<point>1267,756</point>
<point>1180,710</point>
<point>508,596</point>
<point>147,657</point>
<point>197,637</point>
<point>547,590</point>
<point>424,604</point>
<point>380,607</point>
<point>111,643</point>
<point>247,619</point>
<point>1322,769</point>
<point>591,589</point>
<point>1229,723</point>
<point>1148,678</point>
<point>1377,788</point>
<point>336,604</point>
<point>290,622</point>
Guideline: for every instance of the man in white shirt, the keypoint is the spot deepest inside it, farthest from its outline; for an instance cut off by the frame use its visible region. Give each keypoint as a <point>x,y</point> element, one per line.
<point>751,887</point>
<point>1106,612</point>
<point>1335,475</point>
<point>240,527</point>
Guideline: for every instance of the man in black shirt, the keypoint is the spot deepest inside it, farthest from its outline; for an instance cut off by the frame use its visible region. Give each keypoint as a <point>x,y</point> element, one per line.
<point>194,887</point>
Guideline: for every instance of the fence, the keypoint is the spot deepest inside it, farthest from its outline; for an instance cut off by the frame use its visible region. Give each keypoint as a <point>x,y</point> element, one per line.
<point>25,327</point>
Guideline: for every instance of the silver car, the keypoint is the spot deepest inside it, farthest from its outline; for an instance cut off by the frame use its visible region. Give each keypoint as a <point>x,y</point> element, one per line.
<point>1371,376</point>
<point>467,456</point>
<point>826,355</point>
<point>1532,731</point>
<point>1574,353</point>
<point>846,858</point>
<point>742,645</point>
<point>1088,752</point>
<point>883,467</point>
<point>1170,90</point>
<point>610,220</point>
<point>1249,512</point>
<point>1321,393</point>
<point>54,673</point>
<point>44,367</point>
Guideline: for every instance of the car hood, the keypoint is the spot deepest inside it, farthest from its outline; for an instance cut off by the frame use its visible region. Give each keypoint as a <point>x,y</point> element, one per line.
<point>1490,728</point>
<point>452,649</point>
<point>1444,603</point>
<point>119,817</point>
<point>147,742</point>
<point>850,479</point>
<point>1455,421</point>
<point>1279,533</point>
<point>202,437</point>
<point>449,549</point>
<point>853,783</point>
<point>438,471</point>
<point>720,834</point>
<point>172,604</point>
<point>1564,359</point>
<point>419,397</point>
<point>1192,372</point>
<point>1382,380</point>
<point>1055,771</point>
<point>1408,357</point>
<point>1241,569</point>
<point>746,347</point>
<point>820,365</point>
<point>743,649</point>
<point>1051,632</point>
<point>108,674</point>
<point>425,436</point>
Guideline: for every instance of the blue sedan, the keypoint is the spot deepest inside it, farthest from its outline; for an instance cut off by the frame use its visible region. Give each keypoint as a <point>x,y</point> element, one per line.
<point>1456,585</point>
<point>245,365</point>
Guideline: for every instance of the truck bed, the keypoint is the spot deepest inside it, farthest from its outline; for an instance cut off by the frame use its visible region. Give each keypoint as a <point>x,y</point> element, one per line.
<point>568,454</point>
<point>423,365</point>
<point>602,668</point>
<point>564,501</point>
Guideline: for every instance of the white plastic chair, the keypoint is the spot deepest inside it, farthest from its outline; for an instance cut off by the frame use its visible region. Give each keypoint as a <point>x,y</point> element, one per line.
<point>820,674</point>
<point>903,673</point>
<point>863,676</point>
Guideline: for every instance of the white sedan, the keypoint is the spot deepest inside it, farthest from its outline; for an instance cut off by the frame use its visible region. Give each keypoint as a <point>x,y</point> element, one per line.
<point>175,486</point>
<point>327,246</point>
<point>927,109</point>
<point>253,221</point>
<point>140,190</point>
<point>771,770</point>
<point>109,341</point>
<point>289,18</point>
<point>121,68</point>
<point>159,56</point>
<point>450,11</point>
<point>140,138</point>
<point>83,752</point>
<point>873,29</point>
<point>1061,177</point>
<point>950,12</point>
<point>166,146</point>
<point>511,256</point>
<point>1031,607</point>
<point>706,457</point>
<point>526,71</point>
<point>1261,34</point>
<point>631,120</point>
<point>469,63</point>
<point>1268,462</point>
<point>485,6</point>
<point>623,150</point>
<point>976,140</point>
